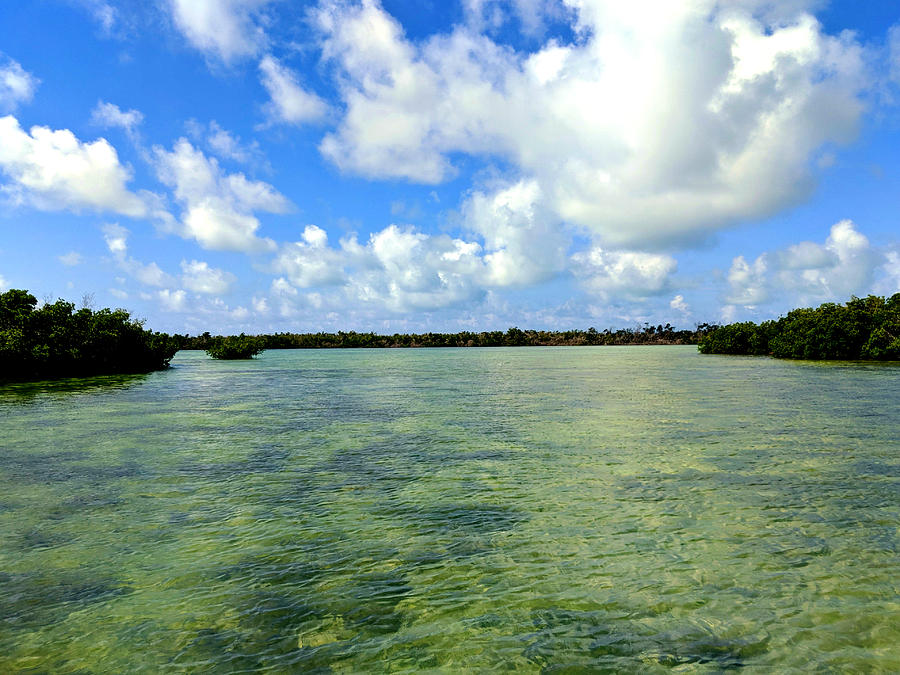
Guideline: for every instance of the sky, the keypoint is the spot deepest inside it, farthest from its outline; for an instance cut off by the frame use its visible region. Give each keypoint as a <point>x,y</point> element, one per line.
<point>408,166</point>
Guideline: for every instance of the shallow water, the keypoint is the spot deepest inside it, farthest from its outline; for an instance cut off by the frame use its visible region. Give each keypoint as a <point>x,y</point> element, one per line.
<point>543,509</point>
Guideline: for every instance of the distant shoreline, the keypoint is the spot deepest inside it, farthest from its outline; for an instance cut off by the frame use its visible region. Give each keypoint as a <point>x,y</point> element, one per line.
<point>623,344</point>
<point>513,337</point>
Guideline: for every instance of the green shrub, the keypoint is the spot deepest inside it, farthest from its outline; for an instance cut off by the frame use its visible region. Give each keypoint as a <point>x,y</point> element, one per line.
<point>57,341</point>
<point>235,347</point>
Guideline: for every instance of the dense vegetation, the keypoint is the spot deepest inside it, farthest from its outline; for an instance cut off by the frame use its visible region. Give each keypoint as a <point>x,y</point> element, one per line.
<point>235,347</point>
<point>514,337</point>
<point>863,328</point>
<point>57,341</point>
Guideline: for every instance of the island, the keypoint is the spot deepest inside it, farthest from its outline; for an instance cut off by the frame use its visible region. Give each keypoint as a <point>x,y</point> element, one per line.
<point>860,329</point>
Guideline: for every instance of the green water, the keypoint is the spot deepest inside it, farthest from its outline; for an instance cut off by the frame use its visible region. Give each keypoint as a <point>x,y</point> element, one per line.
<point>538,510</point>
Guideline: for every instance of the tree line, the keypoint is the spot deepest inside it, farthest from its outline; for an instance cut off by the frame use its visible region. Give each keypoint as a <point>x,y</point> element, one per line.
<point>861,329</point>
<point>514,337</point>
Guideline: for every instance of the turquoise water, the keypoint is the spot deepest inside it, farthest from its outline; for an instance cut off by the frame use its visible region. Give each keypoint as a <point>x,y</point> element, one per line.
<point>541,510</point>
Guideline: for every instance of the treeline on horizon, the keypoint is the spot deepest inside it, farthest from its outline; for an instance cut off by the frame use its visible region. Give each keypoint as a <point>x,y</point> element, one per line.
<point>514,337</point>
<point>860,329</point>
<point>56,340</point>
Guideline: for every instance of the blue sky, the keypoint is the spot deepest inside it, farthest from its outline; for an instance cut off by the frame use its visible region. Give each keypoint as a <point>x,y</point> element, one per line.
<point>271,165</point>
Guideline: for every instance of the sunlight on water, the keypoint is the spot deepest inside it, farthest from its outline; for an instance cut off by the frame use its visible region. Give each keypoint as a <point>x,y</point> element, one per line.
<point>532,509</point>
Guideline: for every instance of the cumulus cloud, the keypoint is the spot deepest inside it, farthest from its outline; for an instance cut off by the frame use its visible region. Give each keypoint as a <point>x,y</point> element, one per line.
<point>659,123</point>
<point>227,145</point>
<point>110,115</point>
<point>531,15</point>
<point>226,29</point>
<point>150,274</point>
<point>401,269</point>
<point>71,259</point>
<point>289,102</point>
<point>260,305</point>
<point>748,282</point>
<point>523,245</point>
<point>398,269</point>
<point>410,270</point>
<point>846,264</point>
<point>310,261</point>
<point>199,277</point>
<point>17,86</point>
<point>103,13</point>
<point>894,52</point>
<point>218,207</point>
<point>679,305</point>
<point>53,170</point>
<point>890,282</point>
<point>4,284</point>
<point>624,274</point>
<point>173,301</point>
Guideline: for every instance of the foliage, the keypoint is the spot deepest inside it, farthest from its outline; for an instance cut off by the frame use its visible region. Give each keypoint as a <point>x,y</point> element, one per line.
<point>737,338</point>
<point>235,347</point>
<point>57,341</point>
<point>514,337</point>
<point>863,328</point>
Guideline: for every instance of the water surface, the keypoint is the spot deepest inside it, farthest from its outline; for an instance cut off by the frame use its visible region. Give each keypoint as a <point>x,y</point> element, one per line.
<point>539,510</point>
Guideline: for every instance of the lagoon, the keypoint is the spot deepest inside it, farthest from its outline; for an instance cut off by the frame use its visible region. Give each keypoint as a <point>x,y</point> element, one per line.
<point>533,509</point>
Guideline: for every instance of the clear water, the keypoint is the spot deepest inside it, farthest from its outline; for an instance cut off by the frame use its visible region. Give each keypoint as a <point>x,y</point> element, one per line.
<point>542,509</point>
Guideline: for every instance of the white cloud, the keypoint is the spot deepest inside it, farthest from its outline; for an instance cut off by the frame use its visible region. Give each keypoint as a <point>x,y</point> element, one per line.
<point>53,170</point>
<point>103,13</point>
<point>661,122</point>
<point>201,278</point>
<point>4,284</point>
<point>728,314</point>
<point>116,238</point>
<point>227,29</point>
<point>523,246</point>
<point>409,270</point>
<point>890,283</point>
<point>310,262</point>
<point>398,269</point>
<point>218,208</point>
<point>282,287</point>
<point>491,15</point>
<point>226,145</point>
<point>17,86</point>
<point>149,274</point>
<point>894,52</point>
<point>110,115</point>
<point>624,274</point>
<point>748,282</point>
<point>260,305</point>
<point>71,259</point>
<point>850,270</point>
<point>679,305</point>
<point>846,264</point>
<point>289,102</point>
<point>173,301</point>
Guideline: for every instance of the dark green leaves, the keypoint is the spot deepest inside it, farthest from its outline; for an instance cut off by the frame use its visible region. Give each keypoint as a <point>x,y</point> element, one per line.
<point>863,328</point>
<point>57,341</point>
<point>235,347</point>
